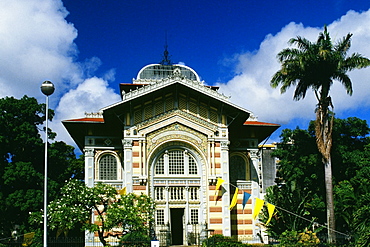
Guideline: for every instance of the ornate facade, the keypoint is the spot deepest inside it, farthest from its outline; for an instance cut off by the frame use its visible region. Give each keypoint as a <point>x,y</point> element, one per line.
<point>171,137</point>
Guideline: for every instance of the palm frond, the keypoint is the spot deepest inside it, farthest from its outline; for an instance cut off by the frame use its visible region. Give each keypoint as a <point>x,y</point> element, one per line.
<point>346,81</point>
<point>344,44</point>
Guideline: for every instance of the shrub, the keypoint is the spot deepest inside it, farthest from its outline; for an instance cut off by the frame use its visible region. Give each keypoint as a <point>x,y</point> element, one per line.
<point>219,240</point>
<point>294,238</point>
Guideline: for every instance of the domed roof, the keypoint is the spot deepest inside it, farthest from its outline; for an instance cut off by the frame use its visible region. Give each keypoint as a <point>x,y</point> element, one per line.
<point>162,71</point>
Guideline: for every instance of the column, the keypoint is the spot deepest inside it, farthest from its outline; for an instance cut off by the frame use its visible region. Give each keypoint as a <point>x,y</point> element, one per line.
<point>256,187</point>
<point>256,164</point>
<point>89,181</point>
<point>226,222</point>
<point>127,160</point>
<point>141,165</point>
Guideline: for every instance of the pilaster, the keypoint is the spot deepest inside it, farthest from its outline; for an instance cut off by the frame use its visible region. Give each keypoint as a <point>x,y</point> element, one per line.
<point>89,167</point>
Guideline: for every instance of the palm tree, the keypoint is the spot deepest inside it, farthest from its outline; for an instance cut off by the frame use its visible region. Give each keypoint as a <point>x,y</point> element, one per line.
<point>317,66</point>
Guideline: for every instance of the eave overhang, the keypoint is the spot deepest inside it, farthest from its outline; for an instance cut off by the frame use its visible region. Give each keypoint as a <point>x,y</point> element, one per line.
<point>82,127</point>
<point>259,130</point>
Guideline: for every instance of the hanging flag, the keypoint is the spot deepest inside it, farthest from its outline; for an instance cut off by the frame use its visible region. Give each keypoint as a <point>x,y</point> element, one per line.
<point>235,199</point>
<point>270,209</point>
<point>219,182</point>
<point>28,238</point>
<point>122,192</point>
<point>218,185</point>
<point>257,207</point>
<point>245,198</point>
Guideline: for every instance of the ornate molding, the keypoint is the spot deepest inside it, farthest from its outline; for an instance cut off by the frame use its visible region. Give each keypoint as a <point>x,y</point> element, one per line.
<point>175,78</point>
<point>176,132</point>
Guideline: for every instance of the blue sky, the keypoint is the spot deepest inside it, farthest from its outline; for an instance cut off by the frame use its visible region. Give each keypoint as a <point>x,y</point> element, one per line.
<point>88,47</point>
<point>126,35</point>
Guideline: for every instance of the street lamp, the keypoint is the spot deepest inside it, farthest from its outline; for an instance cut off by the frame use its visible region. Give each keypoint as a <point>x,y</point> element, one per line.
<point>47,88</point>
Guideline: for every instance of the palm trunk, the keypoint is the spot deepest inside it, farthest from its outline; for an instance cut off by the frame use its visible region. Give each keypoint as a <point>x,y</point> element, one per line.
<point>323,130</point>
<point>329,201</point>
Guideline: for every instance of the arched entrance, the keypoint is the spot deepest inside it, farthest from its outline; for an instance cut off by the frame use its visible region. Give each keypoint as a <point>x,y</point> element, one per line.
<point>178,189</point>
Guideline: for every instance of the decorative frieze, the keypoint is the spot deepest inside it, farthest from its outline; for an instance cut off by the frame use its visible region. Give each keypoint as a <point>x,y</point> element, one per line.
<point>185,115</point>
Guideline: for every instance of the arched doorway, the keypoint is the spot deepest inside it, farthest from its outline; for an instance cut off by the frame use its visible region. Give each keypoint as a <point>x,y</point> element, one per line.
<point>178,190</point>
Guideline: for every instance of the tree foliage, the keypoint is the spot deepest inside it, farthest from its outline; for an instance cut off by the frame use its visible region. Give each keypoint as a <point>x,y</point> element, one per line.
<point>22,162</point>
<point>301,187</point>
<point>116,215</point>
<point>317,65</point>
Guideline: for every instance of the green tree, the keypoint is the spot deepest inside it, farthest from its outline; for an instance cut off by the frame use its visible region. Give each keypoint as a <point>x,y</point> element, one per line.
<point>22,162</point>
<point>129,213</point>
<point>317,65</point>
<point>301,189</point>
<point>299,184</point>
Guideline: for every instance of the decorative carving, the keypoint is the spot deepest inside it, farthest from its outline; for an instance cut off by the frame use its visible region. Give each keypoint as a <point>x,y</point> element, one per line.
<point>224,144</point>
<point>177,132</point>
<point>89,152</point>
<point>94,114</point>
<point>186,115</point>
<point>253,153</point>
<point>127,143</point>
<point>108,142</point>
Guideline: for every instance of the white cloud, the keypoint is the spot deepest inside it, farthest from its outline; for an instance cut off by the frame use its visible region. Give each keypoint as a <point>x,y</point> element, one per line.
<point>37,44</point>
<point>255,70</point>
<point>90,96</point>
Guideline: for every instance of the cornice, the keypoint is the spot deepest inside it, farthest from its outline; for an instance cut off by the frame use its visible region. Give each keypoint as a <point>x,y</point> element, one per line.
<point>175,78</point>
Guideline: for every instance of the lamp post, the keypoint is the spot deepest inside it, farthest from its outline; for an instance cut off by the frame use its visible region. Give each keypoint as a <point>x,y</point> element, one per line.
<point>47,88</point>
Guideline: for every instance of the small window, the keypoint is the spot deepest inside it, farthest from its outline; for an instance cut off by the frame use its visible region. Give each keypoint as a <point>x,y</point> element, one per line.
<point>194,216</point>
<point>108,167</point>
<point>160,217</point>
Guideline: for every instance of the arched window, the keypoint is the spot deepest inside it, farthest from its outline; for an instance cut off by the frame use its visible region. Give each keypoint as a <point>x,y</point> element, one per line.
<point>176,162</point>
<point>239,169</point>
<point>108,167</point>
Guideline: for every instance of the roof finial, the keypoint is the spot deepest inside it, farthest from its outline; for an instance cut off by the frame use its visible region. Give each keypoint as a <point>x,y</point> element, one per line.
<point>166,57</point>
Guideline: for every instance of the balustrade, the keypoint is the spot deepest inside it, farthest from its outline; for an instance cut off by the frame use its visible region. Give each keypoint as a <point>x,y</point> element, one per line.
<point>176,193</point>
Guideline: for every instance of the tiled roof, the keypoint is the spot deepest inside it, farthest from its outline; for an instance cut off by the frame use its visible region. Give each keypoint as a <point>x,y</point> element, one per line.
<point>257,123</point>
<point>96,120</point>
